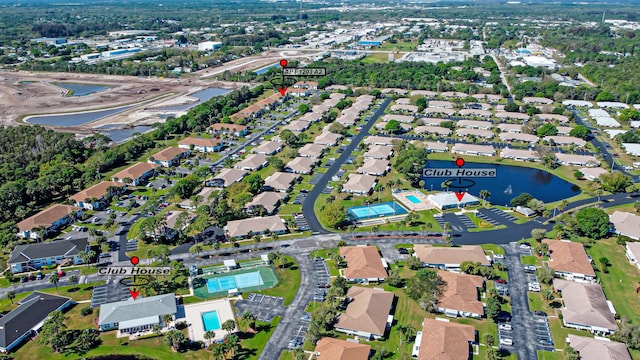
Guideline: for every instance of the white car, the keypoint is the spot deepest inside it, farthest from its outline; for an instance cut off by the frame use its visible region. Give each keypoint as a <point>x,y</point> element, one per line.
<point>534,288</point>
<point>506,327</point>
<point>525,246</point>
<point>506,341</point>
<point>498,256</point>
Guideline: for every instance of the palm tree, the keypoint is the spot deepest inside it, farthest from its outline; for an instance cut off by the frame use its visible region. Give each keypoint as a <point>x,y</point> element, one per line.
<point>73,279</point>
<point>167,318</point>
<point>429,227</point>
<point>218,352</point>
<point>196,249</point>
<point>209,335</point>
<point>484,194</point>
<point>229,326</point>
<point>445,229</point>
<point>11,295</point>
<point>548,295</point>
<point>157,329</point>
<point>232,343</point>
<point>53,279</point>
<point>250,319</point>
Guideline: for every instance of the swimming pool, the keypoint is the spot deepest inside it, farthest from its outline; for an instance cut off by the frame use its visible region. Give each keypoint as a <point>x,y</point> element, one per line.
<point>376,210</point>
<point>239,281</point>
<point>211,320</point>
<point>413,199</point>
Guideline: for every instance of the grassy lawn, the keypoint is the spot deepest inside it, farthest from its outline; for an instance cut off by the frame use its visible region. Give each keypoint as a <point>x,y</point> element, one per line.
<point>560,333</point>
<point>399,46</point>
<point>376,58</point>
<point>288,282</point>
<point>496,249</point>
<point>252,347</point>
<point>620,283</point>
<point>547,355</point>
<point>529,260</point>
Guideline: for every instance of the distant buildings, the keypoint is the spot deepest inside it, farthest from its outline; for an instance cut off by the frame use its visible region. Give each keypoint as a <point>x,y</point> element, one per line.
<point>209,46</point>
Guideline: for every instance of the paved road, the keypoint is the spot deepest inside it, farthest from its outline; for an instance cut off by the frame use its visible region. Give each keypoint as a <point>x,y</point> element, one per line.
<point>521,318</point>
<point>285,329</point>
<point>310,200</point>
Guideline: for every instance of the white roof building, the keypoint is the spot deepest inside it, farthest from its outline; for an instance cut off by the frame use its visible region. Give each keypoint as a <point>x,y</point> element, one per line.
<point>449,200</point>
<point>577,103</point>
<point>632,148</point>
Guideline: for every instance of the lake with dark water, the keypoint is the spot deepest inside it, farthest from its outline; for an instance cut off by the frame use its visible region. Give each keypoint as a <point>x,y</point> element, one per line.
<point>509,183</point>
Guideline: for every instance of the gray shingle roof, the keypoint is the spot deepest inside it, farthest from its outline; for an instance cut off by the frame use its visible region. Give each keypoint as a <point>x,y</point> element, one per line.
<point>71,247</point>
<point>130,309</point>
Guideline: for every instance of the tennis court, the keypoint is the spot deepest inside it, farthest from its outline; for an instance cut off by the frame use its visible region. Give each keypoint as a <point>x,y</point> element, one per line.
<point>244,280</point>
<point>239,282</point>
<point>376,210</point>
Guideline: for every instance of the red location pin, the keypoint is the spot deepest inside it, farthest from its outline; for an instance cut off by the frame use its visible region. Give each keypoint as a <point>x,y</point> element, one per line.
<point>135,260</point>
<point>460,162</point>
<point>283,62</point>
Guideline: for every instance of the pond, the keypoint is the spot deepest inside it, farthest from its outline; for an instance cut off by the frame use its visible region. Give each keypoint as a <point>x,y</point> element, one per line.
<point>118,134</point>
<point>82,89</point>
<point>202,96</point>
<point>75,119</point>
<point>509,183</point>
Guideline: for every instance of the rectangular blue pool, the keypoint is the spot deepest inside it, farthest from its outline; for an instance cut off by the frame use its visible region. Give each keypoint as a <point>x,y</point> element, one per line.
<point>376,210</point>
<point>413,199</point>
<point>211,320</point>
<point>239,282</point>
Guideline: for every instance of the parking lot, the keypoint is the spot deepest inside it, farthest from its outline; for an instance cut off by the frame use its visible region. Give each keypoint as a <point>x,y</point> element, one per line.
<point>300,329</point>
<point>299,199</point>
<point>321,274</point>
<point>316,178</point>
<point>458,222</point>
<point>505,335</point>
<point>502,214</point>
<point>301,222</point>
<point>544,340</point>
<point>110,292</point>
<point>132,245</point>
<point>264,307</point>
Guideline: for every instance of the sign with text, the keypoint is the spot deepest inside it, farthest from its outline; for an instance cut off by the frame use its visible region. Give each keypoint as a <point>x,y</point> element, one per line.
<point>134,271</point>
<point>469,173</point>
<point>304,71</point>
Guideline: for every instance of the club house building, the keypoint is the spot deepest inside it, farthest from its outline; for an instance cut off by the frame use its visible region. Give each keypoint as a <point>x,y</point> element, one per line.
<point>132,316</point>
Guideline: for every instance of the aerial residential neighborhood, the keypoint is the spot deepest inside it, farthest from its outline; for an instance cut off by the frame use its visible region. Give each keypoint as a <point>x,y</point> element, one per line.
<point>319,181</point>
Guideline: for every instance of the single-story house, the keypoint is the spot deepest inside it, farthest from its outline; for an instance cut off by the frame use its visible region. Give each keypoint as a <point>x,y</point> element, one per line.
<point>440,104</point>
<point>454,94</point>
<point>564,130</point>
<point>132,316</point>
<point>301,165</point>
<point>510,128</point>
<point>474,124</point>
<point>96,196</point>
<point>27,319</point>
<point>335,349</point>
<point>280,181</point>
<point>327,139</point>
<point>475,112</point>
<point>311,150</point>
<point>473,149</point>
<point>297,126</point>
<point>230,176</point>
<point>407,119</point>
<point>375,167</point>
<point>507,115</point>
<point>449,200</point>
<point>30,257</point>
<point>201,144</point>
<point>433,146</point>
<point>256,226</point>
<point>565,140</point>
<point>438,130</point>
<point>312,85</point>
<point>368,313</point>
<point>311,117</point>
<point>523,210</point>
<point>269,200</point>
<point>449,257</point>
<point>570,261</point>
<point>439,111</point>
<point>486,134</point>
<point>585,307</point>
<point>379,152</point>
<point>537,100</point>
<point>404,107</point>
<point>172,227</point>
<point>378,140</point>
<point>460,295</point>
<point>529,138</point>
<point>519,155</point>
<point>632,251</point>
<point>444,340</point>
<point>598,348</point>
<point>383,125</point>
<point>426,93</point>
<point>252,162</point>
<point>137,172</point>
<point>359,184</point>
<point>364,264</point>
<point>487,97</point>
<point>232,129</point>
<point>50,219</point>
<point>626,224</point>
<point>593,173</point>
<point>205,194</point>
<point>553,117</point>
<point>268,148</point>
<point>298,92</point>
<point>577,160</point>
<point>346,120</point>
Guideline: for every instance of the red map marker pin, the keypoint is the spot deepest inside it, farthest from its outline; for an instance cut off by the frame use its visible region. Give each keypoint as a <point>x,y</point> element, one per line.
<point>135,260</point>
<point>282,91</point>
<point>460,162</point>
<point>283,62</point>
<point>459,195</point>
<point>134,293</point>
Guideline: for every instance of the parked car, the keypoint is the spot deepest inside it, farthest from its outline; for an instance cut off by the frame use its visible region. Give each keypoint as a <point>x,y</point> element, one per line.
<point>506,342</point>
<point>498,256</point>
<point>506,327</point>
<point>501,281</point>
<point>403,251</point>
<point>24,279</point>
<point>540,313</point>
<point>39,276</point>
